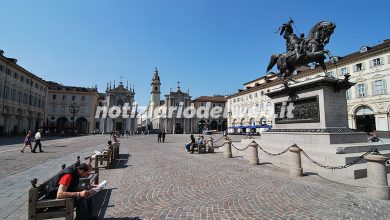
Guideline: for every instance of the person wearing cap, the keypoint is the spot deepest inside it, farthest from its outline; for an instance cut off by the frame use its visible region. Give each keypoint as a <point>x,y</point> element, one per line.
<point>66,185</point>
<point>38,137</point>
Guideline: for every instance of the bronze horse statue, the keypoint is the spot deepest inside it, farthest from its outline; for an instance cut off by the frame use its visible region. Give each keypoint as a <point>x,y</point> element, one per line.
<point>312,51</point>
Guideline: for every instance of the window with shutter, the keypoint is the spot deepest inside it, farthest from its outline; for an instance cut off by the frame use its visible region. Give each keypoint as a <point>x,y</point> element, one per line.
<point>378,87</point>
<point>371,63</point>
<point>361,90</point>
<point>382,61</point>
<point>358,67</point>
<point>377,61</point>
<point>344,71</point>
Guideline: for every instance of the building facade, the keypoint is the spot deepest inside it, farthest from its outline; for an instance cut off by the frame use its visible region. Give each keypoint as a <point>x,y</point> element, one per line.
<point>166,115</point>
<point>22,98</point>
<point>368,101</point>
<point>209,122</point>
<point>114,100</point>
<point>71,109</point>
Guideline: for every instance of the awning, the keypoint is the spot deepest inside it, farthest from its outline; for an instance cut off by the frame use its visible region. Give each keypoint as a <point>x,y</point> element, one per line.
<point>251,126</point>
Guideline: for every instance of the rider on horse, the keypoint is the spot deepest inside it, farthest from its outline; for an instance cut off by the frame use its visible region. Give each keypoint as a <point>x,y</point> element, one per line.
<point>292,41</point>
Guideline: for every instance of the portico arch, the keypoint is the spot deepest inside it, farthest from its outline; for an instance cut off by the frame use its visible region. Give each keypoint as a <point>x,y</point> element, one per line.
<point>82,125</point>
<point>61,124</point>
<point>365,118</point>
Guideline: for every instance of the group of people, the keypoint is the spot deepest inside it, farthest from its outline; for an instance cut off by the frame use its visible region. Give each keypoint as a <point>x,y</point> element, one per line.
<point>121,133</point>
<point>161,136</point>
<point>27,141</point>
<point>190,145</point>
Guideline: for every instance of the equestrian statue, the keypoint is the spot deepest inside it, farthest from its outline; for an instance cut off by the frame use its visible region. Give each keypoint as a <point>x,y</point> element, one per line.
<point>301,51</point>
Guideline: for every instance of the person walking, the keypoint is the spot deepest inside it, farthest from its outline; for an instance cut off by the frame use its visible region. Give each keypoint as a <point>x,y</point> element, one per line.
<point>159,137</point>
<point>27,141</point>
<point>163,136</point>
<point>38,137</point>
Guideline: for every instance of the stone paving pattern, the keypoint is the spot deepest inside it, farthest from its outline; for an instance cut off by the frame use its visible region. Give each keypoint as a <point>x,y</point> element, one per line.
<point>162,181</point>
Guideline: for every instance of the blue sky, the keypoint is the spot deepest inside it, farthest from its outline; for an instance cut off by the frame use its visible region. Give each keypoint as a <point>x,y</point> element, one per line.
<point>210,46</point>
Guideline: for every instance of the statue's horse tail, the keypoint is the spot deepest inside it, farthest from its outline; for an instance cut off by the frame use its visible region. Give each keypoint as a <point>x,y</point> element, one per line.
<point>272,61</point>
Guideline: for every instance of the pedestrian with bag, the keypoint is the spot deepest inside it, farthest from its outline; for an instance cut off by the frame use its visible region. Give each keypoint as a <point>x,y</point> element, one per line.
<point>27,141</point>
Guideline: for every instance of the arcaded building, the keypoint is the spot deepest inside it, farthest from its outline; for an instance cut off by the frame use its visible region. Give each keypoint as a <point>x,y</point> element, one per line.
<point>22,98</point>
<point>71,109</point>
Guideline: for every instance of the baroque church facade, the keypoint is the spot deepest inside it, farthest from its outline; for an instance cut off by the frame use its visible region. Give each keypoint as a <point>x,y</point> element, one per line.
<point>113,101</point>
<point>165,115</point>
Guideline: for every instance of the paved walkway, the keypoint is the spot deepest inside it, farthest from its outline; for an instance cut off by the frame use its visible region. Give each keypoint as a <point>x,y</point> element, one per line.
<point>162,181</point>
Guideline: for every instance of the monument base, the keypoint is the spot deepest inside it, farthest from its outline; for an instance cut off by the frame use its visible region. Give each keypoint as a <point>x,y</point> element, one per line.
<point>313,115</point>
<point>326,154</point>
<point>313,137</point>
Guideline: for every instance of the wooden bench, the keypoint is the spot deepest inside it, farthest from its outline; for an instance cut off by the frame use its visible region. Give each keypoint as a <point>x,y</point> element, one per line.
<point>39,207</point>
<point>109,155</point>
<point>200,148</point>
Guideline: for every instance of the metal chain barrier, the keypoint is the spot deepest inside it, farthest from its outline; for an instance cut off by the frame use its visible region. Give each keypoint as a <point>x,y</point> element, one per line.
<point>372,150</point>
<point>218,146</point>
<point>240,149</point>
<point>218,140</point>
<point>344,166</point>
<point>278,154</point>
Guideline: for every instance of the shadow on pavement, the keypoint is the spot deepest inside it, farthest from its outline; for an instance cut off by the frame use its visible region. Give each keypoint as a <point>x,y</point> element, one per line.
<point>122,161</point>
<point>310,174</point>
<point>125,218</point>
<point>104,200</point>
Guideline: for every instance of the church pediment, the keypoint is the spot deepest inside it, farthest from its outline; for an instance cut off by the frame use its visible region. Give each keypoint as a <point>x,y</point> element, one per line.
<point>119,89</point>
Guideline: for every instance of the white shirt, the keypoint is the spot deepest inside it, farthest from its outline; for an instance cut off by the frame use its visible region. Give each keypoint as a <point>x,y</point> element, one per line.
<point>38,136</point>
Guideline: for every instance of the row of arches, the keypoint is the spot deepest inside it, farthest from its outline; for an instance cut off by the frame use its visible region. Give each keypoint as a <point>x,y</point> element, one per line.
<point>16,120</point>
<point>62,124</point>
<point>213,125</point>
<point>251,121</point>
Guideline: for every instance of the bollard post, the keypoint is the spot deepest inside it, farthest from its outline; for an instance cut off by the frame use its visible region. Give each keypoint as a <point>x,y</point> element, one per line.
<point>227,152</point>
<point>211,145</point>
<point>377,176</point>
<point>295,162</point>
<point>254,156</point>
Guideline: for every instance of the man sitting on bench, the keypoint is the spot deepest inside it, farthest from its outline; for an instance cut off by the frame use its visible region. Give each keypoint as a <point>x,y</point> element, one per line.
<point>65,185</point>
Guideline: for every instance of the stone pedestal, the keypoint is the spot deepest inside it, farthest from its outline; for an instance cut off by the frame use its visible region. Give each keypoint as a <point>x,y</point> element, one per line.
<point>312,112</point>
<point>295,162</point>
<point>210,142</point>
<point>227,151</point>
<point>254,159</point>
<point>377,177</point>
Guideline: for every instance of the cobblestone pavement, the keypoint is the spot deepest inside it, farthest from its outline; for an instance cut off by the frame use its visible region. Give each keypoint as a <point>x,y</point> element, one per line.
<point>12,160</point>
<point>162,181</point>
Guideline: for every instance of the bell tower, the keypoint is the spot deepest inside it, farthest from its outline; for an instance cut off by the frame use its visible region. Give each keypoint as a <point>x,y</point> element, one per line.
<point>155,91</point>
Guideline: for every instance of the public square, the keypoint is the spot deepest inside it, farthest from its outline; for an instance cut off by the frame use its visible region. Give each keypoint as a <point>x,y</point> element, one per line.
<point>162,181</point>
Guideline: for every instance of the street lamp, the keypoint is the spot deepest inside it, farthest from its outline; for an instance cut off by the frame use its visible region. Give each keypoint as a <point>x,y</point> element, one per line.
<point>74,109</point>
